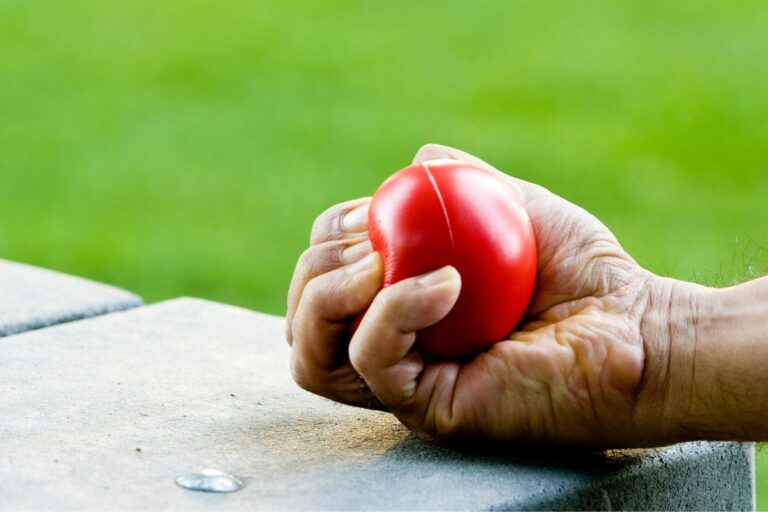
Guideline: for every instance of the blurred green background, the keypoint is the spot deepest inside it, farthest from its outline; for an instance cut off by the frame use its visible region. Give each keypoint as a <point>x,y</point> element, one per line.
<point>184,147</point>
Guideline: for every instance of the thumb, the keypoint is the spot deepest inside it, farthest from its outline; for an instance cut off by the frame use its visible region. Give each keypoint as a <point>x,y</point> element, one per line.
<point>381,348</point>
<point>427,152</point>
<point>439,152</point>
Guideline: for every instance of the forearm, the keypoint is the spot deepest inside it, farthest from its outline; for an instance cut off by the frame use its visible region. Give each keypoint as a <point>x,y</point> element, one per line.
<point>718,360</point>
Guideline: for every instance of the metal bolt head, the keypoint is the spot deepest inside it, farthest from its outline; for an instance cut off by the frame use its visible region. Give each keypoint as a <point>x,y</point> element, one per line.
<point>210,480</point>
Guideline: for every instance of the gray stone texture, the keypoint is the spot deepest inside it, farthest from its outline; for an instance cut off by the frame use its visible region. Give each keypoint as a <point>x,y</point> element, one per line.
<point>194,385</point>
<point>31,298</point>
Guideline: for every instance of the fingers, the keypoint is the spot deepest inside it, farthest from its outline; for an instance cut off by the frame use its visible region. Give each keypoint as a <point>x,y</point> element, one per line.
<point>337,239</point>
<point>340,220</point>
<point>322,315</point>
<point>318,260</point>
<point>381,349</point>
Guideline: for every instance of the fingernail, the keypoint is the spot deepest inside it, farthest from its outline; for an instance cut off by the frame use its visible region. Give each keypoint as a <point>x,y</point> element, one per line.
<point>355,252</point>
<point>356,220</point>
<point>441,275</point>
<point>364,264</point>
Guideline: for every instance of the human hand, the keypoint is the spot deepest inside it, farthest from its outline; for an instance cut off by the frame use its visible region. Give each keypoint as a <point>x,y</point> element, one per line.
<point>586,366</point>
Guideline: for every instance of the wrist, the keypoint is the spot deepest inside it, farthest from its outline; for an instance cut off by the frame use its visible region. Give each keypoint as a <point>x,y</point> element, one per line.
<point>669,332</point>
<point>730,363</point>
<point>691,412</point>
<point>706,357</point>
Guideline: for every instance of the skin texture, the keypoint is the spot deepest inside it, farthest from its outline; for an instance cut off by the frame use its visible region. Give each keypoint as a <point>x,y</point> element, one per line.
<point>606,355</point>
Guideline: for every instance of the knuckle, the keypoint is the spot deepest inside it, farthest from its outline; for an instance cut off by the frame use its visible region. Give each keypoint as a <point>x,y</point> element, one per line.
<point>303,378</point>
<point>332,296</point>
<point>387,302</point>
<point>444,425</point>
<point>301,273</point>
<point>428,151</point>
<point>303,264</point>
<point>357,359</point>
<point>320,259</point>
<point>316,288</point>
<point>306,257</point>
<point>317,230</point>
<point>423,431</point>
<point>446,431</point>
<point>324,297</point>
<point>394,305</point>
<point>327,226</point>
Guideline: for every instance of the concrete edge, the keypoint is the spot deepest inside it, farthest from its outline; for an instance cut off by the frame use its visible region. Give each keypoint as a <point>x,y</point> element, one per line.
<point>130,301</point>
<point>652,473</point>
<point>134,302</point>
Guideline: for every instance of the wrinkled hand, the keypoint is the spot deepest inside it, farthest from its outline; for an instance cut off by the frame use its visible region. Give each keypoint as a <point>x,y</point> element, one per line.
<point>581,369</point>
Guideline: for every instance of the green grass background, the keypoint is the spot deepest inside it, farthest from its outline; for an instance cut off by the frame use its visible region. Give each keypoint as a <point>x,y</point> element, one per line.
<point>184,147</point>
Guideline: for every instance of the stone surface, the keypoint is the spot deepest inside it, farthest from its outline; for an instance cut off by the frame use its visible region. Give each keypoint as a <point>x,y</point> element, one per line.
<point>31,298</point>
<point>194,385</point>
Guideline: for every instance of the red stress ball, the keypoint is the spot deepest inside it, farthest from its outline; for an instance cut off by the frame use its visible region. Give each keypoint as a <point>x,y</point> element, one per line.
<point>446,212</point>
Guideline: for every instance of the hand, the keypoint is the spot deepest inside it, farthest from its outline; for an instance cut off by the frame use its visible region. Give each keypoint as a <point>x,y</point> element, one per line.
<point>585,367</point>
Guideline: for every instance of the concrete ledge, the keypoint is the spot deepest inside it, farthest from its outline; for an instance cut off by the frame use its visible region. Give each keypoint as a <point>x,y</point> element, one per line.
<point>194,384</point>
<point>31,298</point>
<point>688,476</point>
